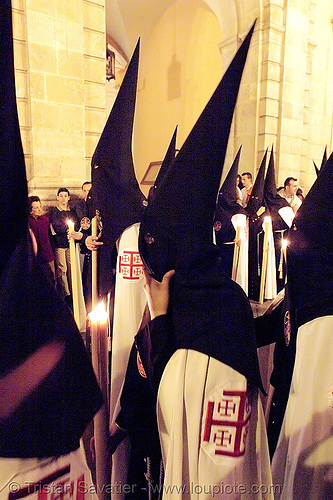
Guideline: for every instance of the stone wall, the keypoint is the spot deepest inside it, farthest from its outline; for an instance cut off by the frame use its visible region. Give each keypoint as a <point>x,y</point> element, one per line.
<point>59,48</point>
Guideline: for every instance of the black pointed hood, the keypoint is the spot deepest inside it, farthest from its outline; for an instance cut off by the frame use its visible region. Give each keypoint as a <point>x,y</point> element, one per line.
<point>257,195</point>
<point>166,163</point>
<point>177,231</point>
<point>323,162</point>
<point>227,197</point>
<point>50,419</point>
<point>316,168</point>
<point>310,254</point>
<point>183,207</point>
<point>227,205</point>
<point>314,218</point>
<point>13,183</point>
<point>116,192</point>
<point>324,158</point>
<point>272,199</point>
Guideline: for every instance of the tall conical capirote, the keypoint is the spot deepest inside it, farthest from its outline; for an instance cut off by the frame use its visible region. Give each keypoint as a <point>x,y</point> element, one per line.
<point>166,163</point>
<point>226,207</point>
<point>323,162</point>
<point>314,218</point>
<point>116,192</point>
<point>316,168</point>
<point>50,406</point>
<point>227,204</point>
<point>257,195</point>
<point>184,205</point>
<point>13,183</point>
<point>273,200</point>
<point>227,194</point>
<point>310,255</point>
<point>324,158</point>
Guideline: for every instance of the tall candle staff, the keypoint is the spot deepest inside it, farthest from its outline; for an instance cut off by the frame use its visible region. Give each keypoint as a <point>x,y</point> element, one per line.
<point>266,226</point>
<point>236,253</point>
<point>99,350</point>
<point>74,275</point>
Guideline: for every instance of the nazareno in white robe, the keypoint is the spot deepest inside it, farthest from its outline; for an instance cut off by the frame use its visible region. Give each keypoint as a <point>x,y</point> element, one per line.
<point>129,306</point>
<point>212,432</point>
<point>303,461</point>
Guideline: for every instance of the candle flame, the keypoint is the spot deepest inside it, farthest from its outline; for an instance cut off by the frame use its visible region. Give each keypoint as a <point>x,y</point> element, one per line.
<point>284,244</point>
<point>70,223</point>
<point>99,314</point>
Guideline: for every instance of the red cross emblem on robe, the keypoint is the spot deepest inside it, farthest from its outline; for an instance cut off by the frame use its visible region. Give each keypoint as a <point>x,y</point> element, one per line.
<point>226,423</point>
<point>130,265</point>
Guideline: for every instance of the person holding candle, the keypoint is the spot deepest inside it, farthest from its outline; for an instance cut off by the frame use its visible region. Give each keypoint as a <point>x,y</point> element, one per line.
<point>59,217</point>
<point>302,462</point>
<point>84,212</point>
<point>282,216</point>
<point>230,228</point>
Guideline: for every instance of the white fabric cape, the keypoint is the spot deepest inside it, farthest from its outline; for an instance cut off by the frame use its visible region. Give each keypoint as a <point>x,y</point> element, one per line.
<point>243,259</point>
<point>129,306</point>
<point>270,283</point>
<point>287,215</point>
<point>303,461</point>
<point>66,477</point>
<point>212,432</point>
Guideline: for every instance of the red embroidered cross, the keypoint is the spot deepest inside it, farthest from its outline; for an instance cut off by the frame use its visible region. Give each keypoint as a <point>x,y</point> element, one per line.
<point>227,422</point>
<point>130,265</point>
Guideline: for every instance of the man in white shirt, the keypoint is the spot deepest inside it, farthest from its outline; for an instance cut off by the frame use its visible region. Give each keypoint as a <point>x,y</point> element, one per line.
<point>289,193</point>
<point>247,189</point>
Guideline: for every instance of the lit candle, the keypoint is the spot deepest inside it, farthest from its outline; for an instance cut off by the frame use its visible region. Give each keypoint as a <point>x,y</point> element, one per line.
<point>100,356</point>
<point>284,251</point>
<point>74,274</point>
<point>70,225</point>
<point>236,253</point>
<point>94,291</point>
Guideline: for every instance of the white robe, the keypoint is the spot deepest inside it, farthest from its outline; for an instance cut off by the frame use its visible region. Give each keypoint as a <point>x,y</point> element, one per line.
<point>66,477</point>
<point>303,460</point>
<point>129,306</point>
<point>212,432</point>
<point>243,264</point>
<point>270,283</point>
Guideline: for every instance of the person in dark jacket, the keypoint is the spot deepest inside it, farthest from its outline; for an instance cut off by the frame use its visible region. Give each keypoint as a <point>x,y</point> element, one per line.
<point>59,218</point>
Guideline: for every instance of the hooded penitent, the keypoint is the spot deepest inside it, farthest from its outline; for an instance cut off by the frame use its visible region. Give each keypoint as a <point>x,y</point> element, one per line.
<point>302,463</point>
<point>276,205</point>
<point>48,389</point>
<point>256,214</point>
<point>282,216</point>
<point>211,322</point>
<point>210,312</point>
<point>129,304</point>
<point>227,205</point>
<point>116,192</point>
<point>230,223</point>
